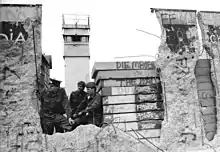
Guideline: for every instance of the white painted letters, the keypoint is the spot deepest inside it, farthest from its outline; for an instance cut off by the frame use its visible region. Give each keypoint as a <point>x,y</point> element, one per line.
<point>5,36</point>
<point>20,37</point>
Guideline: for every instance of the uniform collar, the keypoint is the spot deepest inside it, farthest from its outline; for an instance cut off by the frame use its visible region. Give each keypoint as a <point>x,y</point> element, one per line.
<point>91,97</point>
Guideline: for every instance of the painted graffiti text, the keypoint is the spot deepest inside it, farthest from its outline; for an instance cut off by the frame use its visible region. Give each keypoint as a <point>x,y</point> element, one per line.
<point>214,38</point>
<point>13,32</point>
<point>138,82</point>
<point>177,38</point>
<point>213,34</point>
<point>140,65</point>
<point>167,18</point>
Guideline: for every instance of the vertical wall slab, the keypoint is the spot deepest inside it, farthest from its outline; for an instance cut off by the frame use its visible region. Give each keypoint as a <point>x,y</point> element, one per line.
<point>20,54</point>
<point>177,57</point>
<point>209,23</point>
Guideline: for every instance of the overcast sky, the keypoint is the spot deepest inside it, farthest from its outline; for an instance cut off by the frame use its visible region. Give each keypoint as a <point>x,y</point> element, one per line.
<point>113,26</point>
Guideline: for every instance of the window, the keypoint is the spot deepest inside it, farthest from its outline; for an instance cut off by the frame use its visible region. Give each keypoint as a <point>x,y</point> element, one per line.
<point>76,38</point>
<point>85,39</point>
<point>68,39</point>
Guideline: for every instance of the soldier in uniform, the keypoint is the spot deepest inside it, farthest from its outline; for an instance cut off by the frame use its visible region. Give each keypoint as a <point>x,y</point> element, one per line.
<point>90,110</point>
<point>76,97</point>
<point>54,103</point>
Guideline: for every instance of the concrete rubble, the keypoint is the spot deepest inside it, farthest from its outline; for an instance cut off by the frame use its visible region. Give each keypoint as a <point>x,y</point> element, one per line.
<point>182,129</point>
<point>90,138</point>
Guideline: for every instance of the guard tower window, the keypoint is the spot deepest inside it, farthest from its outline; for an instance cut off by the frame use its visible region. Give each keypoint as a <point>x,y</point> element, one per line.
<point>85,39</point>
<point>76,38</point>
<point>68,39</point>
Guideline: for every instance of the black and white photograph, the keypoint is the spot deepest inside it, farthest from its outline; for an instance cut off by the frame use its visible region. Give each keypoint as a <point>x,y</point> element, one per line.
<point>109,76</point>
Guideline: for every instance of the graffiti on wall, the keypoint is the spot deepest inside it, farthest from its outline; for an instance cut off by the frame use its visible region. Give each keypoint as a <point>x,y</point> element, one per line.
<point>178,37</point>
<point>213,33</point>
<point>18,13</point>
<point>139,82</point>
<point>140,65</point>
<point>13,32</point>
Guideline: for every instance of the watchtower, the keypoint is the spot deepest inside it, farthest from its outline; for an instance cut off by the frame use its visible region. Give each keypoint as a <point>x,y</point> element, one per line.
<point>76,49</point>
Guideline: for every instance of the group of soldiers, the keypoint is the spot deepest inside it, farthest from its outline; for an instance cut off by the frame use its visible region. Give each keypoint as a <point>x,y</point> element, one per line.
<point>60,114</point>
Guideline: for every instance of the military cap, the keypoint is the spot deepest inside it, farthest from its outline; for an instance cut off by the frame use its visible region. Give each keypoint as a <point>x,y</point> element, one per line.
<point>55,82</point>
<point>81,83</point>
<point>90,85</point>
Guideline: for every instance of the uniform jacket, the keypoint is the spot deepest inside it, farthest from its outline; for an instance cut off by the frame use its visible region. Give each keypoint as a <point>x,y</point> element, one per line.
<point>94,107</point>
<point>54,100</point>
<point>76,97</point>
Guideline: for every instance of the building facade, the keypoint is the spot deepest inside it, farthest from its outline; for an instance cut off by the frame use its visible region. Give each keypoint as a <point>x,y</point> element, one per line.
<point>76,50</point>
<point>46,65</point>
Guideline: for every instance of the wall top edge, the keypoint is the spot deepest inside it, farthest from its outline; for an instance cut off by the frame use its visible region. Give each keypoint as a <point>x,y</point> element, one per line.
<point>176,10</point>
<point>20,5</point>
<point>208,12</point>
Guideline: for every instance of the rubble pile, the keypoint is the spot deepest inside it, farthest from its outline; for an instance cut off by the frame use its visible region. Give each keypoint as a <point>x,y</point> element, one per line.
<point>90,138</point>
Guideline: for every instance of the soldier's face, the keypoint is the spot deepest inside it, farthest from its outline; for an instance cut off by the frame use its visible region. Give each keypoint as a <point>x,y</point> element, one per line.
<point>54,85</point>
<point>91,91</point>
<point>50,85</point>
<point>81,88</point>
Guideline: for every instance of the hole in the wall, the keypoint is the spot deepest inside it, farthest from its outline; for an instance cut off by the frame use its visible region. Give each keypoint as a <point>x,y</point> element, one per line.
<point>168,57</point>
<point>158,70</point>
<point>7,92</point>
<point>27,123</point>
<point>12,102</point>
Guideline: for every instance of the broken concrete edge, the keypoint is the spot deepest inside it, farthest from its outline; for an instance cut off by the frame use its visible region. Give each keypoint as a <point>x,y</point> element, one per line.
<point>23,60</point>
<point>126,74</point>
<point>120,65</point>
<point>94,138</point>
<point>129,82</point>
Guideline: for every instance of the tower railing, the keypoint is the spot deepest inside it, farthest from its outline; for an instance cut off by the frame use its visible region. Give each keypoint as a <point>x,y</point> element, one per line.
<point>76,21</point>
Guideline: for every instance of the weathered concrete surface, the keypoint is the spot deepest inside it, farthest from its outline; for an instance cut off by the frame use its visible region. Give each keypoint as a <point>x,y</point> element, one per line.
<point>111,91</point>
<point>182,115</point>
<point>92,139</point>
<point>151,115</point>
<point>149,133</point>
<point>128,82</point>
<point>125,65</point>
<point>125,74</point>
<point>126,99</point>
<point>18,103</point>
<point>118,99</point>
<point>183,128</point>
<point>120,117</point>
<point>122,108</point>
<point>138,125</point>
<point>209,24</point>
<point>132,107</point>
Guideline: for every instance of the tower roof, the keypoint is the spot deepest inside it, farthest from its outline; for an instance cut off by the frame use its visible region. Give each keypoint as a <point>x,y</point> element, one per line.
<point>76,21</point>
